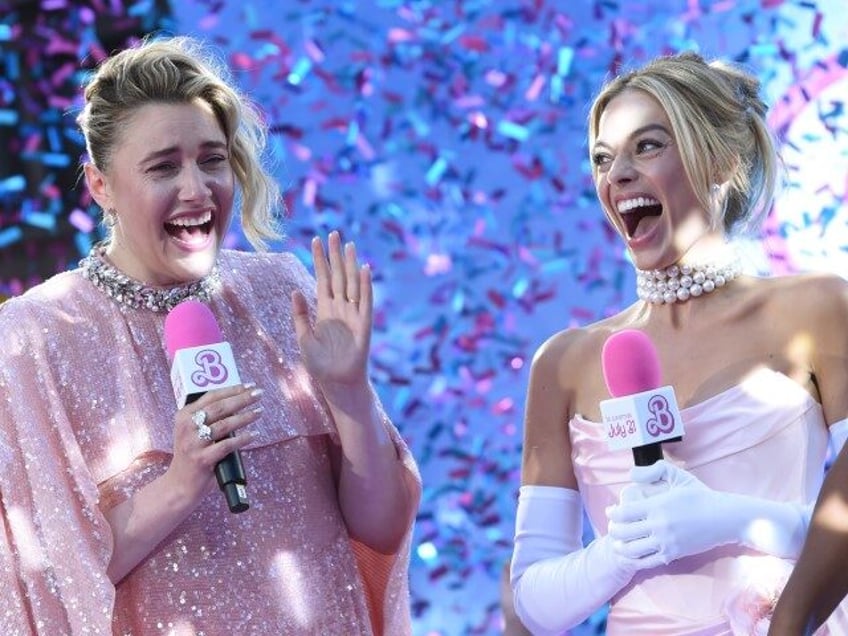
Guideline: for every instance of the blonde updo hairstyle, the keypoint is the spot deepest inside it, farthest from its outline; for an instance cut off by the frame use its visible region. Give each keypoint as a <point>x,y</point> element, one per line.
<point>179,70</point>
<point>718,122</point>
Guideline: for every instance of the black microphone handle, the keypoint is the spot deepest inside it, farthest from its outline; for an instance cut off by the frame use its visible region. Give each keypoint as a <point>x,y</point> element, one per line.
<point>230,474</point>
<point>650,454</point>
<point>647,455</point>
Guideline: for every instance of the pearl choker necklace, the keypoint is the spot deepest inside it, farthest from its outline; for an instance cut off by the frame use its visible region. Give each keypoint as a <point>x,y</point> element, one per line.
<point>132,294</point>
<point>679,283</point>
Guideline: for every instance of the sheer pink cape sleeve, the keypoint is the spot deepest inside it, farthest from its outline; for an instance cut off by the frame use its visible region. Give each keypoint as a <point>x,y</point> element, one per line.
<point>56,544</point>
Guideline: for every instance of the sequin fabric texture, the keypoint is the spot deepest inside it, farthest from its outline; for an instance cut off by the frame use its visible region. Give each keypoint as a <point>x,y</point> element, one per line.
<point>86,419</point>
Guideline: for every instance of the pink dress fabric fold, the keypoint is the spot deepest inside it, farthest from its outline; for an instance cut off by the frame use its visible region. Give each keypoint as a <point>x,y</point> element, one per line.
<point>86,419</point>
<point>765,437</point>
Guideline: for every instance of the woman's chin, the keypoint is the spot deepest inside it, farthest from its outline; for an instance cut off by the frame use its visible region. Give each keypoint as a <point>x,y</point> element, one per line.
<point>644,261</point>
<point>195,266</point>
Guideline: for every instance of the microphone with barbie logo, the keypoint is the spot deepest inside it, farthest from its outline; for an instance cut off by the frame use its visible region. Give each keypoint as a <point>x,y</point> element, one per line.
<point>641,414</point>
<point>201,362</point>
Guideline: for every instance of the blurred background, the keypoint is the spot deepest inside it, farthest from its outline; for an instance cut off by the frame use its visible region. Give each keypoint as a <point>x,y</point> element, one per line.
<point>448,140</point>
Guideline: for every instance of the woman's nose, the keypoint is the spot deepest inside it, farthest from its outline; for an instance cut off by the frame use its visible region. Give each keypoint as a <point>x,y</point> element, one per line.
<point>192,183</point>
<point>621,170</point>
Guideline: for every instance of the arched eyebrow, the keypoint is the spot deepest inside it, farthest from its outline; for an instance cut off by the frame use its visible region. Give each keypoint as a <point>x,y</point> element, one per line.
<point>636,133</point>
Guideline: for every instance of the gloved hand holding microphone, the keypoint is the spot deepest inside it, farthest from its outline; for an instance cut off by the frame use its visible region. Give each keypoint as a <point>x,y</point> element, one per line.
<point>667,513</point>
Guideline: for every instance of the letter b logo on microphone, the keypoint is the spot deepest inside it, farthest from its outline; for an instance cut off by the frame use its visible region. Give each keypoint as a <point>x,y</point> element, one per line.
<point>654,413</point>
<point>662,418</point>
<point>200,369</point>
<point>210,369</point>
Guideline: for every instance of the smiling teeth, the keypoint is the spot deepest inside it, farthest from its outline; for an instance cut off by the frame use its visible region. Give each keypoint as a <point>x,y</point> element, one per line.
<point>187,222</point>
<point>638,202</point>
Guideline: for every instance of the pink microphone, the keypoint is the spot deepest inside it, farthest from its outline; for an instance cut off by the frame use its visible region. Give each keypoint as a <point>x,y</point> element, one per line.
<point>641,413</point>
<point>630,363</point>
<point>190,324</point>
<point>201,361</point>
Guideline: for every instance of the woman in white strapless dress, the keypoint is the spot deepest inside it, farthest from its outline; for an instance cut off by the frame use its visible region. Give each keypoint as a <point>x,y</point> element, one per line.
<point>701,542</point>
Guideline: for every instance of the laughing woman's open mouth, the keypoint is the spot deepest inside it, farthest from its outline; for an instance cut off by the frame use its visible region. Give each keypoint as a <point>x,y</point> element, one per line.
<point>191,231</point>
<point>634,211</point>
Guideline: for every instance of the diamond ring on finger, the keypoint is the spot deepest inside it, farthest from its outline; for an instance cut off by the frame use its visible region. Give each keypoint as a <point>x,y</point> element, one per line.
<point>204,431</point>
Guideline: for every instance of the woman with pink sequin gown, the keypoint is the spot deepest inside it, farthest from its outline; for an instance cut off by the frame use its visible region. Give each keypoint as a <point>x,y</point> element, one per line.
<point>700,541</point>
<point>112,520</point>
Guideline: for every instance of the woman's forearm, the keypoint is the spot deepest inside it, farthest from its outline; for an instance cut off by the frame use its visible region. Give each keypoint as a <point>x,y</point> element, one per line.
<point>142,522</point>
<point>377,494</point>
<point>819,581</point>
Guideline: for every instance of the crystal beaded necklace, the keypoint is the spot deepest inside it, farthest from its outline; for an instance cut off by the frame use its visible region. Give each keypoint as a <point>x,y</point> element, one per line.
<point>130,293</point>
<point>679,283</point>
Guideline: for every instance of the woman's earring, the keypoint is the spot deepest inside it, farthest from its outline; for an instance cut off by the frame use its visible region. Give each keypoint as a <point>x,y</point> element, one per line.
<point>110,217</point>
<point>719,205</point>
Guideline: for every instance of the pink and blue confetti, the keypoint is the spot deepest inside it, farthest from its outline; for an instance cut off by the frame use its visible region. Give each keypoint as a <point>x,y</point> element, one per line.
<point>449,141</point>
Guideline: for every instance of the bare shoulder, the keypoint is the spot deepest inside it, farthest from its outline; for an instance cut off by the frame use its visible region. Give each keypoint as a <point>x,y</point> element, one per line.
<point>573,348</point>
<point>551,351</point>
<point>810,281</point>
<point>568,365</point>
<point>818,304</point>
<point>809,309</point>
<point>564,370</point>
<point>811,296</point>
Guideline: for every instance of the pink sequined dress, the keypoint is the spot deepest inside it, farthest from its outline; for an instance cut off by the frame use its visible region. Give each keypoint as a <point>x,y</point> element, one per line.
<point>86,419</point>
<point>765,437</point>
